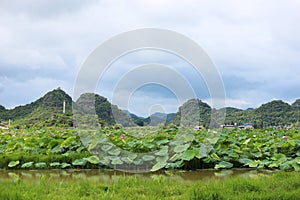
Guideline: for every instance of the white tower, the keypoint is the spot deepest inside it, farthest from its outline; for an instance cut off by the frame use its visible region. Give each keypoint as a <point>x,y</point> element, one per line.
<point>64,107</point>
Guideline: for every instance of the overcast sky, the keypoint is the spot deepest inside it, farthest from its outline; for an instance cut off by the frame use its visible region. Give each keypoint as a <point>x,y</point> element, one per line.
<point>254,44</point>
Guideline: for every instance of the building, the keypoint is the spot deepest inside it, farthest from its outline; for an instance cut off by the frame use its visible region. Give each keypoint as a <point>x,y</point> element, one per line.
<point>246,126</point>
<point>229,126</point>
<point>198,128</point>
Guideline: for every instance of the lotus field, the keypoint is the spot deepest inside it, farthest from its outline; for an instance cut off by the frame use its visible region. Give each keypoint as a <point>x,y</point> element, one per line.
<point>161,148</point>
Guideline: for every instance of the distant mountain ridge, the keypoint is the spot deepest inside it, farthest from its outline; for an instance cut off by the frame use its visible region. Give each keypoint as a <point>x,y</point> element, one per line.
<point>159,115</point>
<point>153,120</point>
<point>48,111</point>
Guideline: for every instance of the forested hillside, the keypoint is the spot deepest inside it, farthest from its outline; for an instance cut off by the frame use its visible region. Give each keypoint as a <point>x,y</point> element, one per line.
<point>48,111</point>
<point>275,113</point>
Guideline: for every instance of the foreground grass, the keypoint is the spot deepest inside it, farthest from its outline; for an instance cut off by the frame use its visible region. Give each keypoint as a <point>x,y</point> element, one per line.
<point>282,185</point>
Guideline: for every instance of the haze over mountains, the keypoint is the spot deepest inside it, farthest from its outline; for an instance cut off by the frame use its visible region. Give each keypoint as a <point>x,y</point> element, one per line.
<point>48,111</point>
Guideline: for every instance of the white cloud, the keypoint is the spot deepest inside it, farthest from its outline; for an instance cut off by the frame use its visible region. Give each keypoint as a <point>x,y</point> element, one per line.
<point>147,105</point>
<point>256,41</point>
<point>17,92</point>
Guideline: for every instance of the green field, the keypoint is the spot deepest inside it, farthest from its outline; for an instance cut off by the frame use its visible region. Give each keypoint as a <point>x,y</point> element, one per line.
<point>280,185</point>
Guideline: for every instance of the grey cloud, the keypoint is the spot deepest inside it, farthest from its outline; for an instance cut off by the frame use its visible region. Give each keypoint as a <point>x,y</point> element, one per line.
<point>36,9</point>
<point>255,44</point>
<point>21,74</point>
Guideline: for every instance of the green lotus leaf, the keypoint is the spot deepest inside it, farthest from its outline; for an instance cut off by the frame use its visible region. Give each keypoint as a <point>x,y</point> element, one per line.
<point>27,165</point>
<point>233,155</point>
<point>164,141</point>
<point>127,160</point>
<point>106,147</point>
<point>245,161</point>
<point>105,161</point>
<point>176,142</point>
<point>285,166</point>
<point>138,162</point>
<point>131,155</point>
<point>204,150</point>
<point>158,166</point>
<point>70,141</point>
<point>279,157</point>
<point>264,162</point>
<point>92,159</point>
<point>149,145</point>
<point>254,164</point>
<point>79,162</point>
<point>188,155</point>
<point>13,163</point>
<point>148,157</point>
<point>223,165</point>
<point>162,159</point>
<point>175,165</point>
<point>65,165</point>
<point>215,156</point>
<point>93,144</point>
<point>274,164</point>
<point>117,161</point>
<point>175,157</point>
<point>247,141</point>
<point>257,154</point>
<point>212,140</point>
<point>57,149</point>
<point>40,165</point>
<point>238,151</point>
<point>78,150</point>
<point>198,153</point>
<point>188,138</point>
<point>114,152</point>
<point>163,151</point>
<point>296,166</point>
<point>54,164</point>
<point>181,148</point>
<point>292,142</point>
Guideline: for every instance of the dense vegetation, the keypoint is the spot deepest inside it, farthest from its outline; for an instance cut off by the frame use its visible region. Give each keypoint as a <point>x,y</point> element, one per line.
<point>283,186</point>
<point>47,111</point>
<point>149,149</point>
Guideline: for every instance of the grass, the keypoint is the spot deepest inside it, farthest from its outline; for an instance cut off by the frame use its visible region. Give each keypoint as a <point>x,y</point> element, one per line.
<point>281,185</point>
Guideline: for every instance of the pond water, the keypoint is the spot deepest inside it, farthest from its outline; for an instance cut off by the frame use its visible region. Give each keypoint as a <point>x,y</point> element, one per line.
<point>112,175</point>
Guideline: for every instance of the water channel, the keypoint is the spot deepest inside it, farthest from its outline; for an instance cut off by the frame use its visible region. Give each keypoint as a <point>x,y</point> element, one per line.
<point>113,175</point>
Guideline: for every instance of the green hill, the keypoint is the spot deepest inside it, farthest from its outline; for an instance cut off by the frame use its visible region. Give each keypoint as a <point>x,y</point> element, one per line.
<point>107,114</point>
<point>158,119</point>
<point>296,104</point>
<point>192,113</point>
<point>231,110</point>
<point>2,108</point>
<point>93,108</point>
<point>46,111</point>
<point>275,113</point>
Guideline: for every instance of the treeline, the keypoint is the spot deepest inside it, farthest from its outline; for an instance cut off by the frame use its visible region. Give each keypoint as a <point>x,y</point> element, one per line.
<point>93,109</point>
<point>274,113</point>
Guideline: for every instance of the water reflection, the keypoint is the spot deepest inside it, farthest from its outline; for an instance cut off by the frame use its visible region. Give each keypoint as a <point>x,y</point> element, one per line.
<point>111,175</point>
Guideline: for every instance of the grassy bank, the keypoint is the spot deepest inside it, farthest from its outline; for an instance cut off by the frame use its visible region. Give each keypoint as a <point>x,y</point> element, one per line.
<point>283,185</point>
